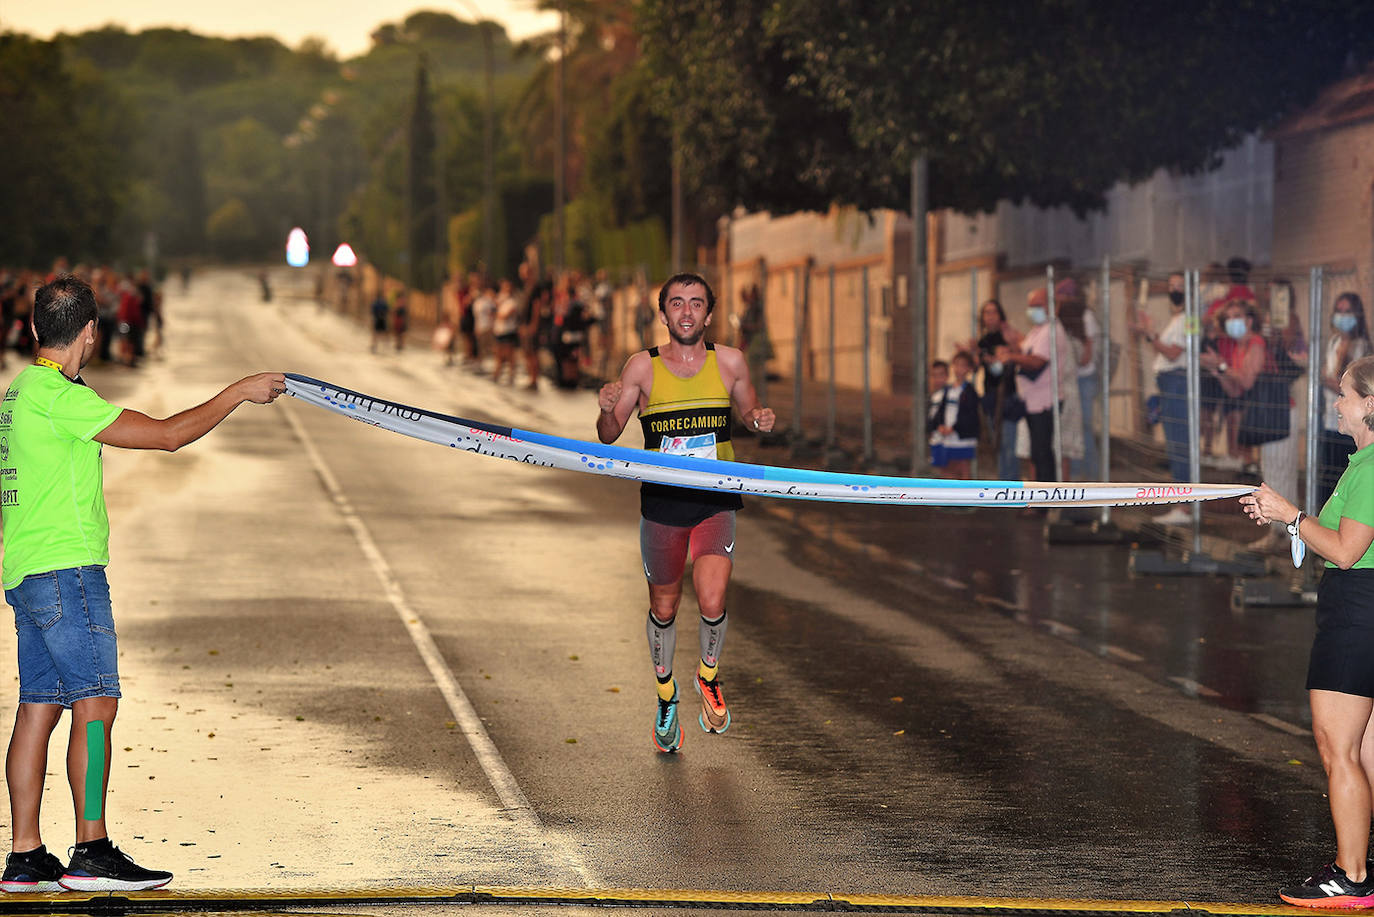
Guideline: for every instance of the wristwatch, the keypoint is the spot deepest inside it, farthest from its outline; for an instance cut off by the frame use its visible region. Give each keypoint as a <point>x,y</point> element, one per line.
<point>1293,526</point>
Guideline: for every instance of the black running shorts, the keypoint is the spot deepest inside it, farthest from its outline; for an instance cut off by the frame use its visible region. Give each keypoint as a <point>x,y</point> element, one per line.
<point>1343,652</point>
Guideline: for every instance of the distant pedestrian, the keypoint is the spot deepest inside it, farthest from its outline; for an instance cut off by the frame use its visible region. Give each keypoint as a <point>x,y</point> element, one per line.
<point>1340,669</point>
<point>56,536</point>
<point>381,314</point>
<point>400,318</point>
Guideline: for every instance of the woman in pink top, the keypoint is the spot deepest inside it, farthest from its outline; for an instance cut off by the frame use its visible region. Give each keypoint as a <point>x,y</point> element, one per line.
<point>1236,365</point>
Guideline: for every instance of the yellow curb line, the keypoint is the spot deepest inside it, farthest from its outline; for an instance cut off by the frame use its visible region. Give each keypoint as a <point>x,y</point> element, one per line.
<point>163,900</point>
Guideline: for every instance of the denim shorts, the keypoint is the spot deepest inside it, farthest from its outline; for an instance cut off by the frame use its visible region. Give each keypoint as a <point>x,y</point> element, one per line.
<point>67,648</point>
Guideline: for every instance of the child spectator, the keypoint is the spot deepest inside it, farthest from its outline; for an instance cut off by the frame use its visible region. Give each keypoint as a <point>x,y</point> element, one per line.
<point>953,423</point>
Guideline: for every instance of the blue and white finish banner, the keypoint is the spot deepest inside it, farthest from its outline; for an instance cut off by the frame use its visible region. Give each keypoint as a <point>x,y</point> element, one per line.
<point>541,449</point>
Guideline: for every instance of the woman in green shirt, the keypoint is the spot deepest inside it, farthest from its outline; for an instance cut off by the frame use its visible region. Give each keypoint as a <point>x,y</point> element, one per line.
<point>1340,671</point>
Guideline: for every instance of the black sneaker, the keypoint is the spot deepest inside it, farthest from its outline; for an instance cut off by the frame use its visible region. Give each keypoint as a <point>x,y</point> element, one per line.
<point>32,871</point>
<point>1330,887</point>
<point>109,869</point>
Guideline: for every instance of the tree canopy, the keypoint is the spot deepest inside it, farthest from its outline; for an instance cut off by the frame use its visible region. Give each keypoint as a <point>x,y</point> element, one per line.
<point>797,104</point>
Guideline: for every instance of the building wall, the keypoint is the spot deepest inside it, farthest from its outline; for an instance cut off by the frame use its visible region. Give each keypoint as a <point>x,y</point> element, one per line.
<point>1323,213</point>
<point>1168,221</point>
<point>793,258</point>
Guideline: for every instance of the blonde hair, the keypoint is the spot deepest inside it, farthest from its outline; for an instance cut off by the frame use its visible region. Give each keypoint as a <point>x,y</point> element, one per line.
<point>1361,375</point>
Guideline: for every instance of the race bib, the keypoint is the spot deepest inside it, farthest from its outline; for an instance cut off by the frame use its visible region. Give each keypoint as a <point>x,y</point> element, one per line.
<point>701,446</point>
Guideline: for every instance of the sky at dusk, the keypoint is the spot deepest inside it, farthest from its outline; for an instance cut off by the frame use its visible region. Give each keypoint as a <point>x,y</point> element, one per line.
<point>344,24</point>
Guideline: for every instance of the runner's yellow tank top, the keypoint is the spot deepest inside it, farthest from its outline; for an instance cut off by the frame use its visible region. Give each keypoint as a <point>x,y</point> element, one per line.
<point>683,413</point>
<point>686,417</point>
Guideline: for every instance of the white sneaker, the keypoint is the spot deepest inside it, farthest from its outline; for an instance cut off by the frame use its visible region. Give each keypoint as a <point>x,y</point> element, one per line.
<point>1177,516</point>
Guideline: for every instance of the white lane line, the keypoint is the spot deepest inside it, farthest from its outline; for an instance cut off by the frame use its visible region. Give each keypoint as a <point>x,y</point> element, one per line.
<point>1119,653</point>
<point>1283,725</point>
<point>469,723</point>
<point>1193,688</point>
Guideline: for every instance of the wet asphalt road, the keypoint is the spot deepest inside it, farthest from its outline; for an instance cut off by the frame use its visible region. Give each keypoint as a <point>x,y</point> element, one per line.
<point>924,701</point>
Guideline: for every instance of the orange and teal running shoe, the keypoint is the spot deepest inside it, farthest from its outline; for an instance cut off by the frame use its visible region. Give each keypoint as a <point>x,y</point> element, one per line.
<point>667,730</point>
<point>714,716</point>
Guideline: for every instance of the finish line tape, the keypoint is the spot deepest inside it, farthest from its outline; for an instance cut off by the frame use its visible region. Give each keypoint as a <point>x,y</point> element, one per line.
<point>541,449</point>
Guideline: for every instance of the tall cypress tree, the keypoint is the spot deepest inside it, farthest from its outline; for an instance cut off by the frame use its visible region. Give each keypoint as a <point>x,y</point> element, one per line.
<point>421,196</point>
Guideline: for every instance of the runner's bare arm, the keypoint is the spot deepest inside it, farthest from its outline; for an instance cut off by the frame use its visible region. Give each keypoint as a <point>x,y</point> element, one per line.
<point>735,371</point>
<point>135,430</point>
<point>619,399</point>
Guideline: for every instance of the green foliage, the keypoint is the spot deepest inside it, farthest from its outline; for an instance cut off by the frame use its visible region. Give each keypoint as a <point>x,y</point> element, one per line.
<point>231,233</point>
<point>66,168</point>
<point>426,257</point>
<point>796,104</point>
<point>189,124</point>
<point>629,159</point>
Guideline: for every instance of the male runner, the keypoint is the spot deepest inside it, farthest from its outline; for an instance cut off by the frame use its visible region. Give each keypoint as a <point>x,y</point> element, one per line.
<point>683,392</point>
<point>57,537</point>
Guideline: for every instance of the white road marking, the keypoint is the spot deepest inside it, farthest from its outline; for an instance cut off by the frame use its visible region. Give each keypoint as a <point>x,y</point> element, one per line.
<point>469,723</point>
<point>1119,653</point>
<point>1193,688</point>
<point>1283,725</point>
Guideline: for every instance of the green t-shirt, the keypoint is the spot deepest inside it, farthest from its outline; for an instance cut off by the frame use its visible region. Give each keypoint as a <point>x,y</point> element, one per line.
<point>1353,498</point>
<point>52,494</point>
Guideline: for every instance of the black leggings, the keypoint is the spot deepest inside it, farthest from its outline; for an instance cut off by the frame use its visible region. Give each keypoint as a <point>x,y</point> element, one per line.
<point>1041,428</point>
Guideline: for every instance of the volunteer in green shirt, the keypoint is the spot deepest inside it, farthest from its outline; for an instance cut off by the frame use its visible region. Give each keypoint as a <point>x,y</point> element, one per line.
<point>1340,671</point>
<point>56,547</point>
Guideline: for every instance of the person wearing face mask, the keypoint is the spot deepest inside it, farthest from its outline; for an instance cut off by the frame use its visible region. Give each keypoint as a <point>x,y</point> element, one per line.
<point>1348,342</point>
<point>1270,418</point>
<point>1035,364</point>
<point>1236,364</point>
<point>1171,377</point>
<point>1002,407</point>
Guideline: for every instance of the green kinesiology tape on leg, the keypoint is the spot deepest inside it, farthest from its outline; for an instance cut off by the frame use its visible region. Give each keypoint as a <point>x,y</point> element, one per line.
<point>95,769</point>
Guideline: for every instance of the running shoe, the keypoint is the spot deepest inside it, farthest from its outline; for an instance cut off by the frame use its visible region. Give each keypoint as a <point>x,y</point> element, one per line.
<point>714,716</point>
<point>110,869</point>
<point>667,730</point>
<point>1330,887</point>
<point>34,870</point>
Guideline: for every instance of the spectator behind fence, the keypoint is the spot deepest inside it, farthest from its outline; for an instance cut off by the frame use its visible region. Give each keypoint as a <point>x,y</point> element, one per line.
<point>1003,408</point>
<point>1171,378</point>
<point>1211,394</point>
<point>1235,363</point>
<point>953,423</point>
<point>1036,364</point>
<point>1080,441</point>
<point>1349,343</point>
<point>1269,418</point>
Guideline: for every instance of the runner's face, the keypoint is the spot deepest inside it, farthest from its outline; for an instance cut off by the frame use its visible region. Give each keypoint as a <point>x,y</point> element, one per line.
<point>684,312</point>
